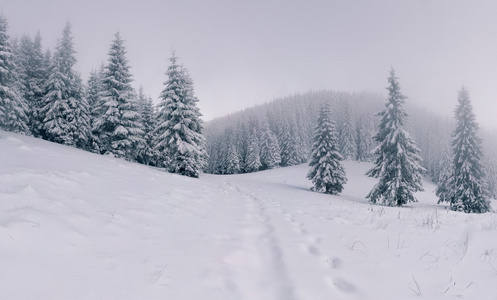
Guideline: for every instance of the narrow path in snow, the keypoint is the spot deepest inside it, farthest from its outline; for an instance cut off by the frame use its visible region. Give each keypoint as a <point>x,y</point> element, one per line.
<point>285,248</point>
<point>259,258</point>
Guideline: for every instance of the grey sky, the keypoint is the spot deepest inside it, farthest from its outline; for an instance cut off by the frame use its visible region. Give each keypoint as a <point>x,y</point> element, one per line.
<point>242,53</point>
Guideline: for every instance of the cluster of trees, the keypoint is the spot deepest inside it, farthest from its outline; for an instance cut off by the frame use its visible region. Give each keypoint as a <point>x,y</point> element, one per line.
<point>402,150</point>
<point>280,133</point>
<point>462,183</point>
<point>42,95</point>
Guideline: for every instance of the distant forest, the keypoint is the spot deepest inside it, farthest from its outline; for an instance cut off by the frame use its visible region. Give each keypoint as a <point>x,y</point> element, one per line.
<point>289,123</point>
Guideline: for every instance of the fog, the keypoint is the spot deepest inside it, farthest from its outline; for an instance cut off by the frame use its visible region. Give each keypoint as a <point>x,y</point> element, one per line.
<point>241,53</point>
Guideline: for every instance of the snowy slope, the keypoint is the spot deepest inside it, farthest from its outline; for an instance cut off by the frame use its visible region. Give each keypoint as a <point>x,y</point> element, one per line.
<point>74,225</point>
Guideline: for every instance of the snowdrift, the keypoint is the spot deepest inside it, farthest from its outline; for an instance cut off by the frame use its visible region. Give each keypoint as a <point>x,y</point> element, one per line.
<point>75,225</point>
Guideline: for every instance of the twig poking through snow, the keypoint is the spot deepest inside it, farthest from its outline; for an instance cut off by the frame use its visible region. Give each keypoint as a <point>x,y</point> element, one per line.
<point>418,292</point>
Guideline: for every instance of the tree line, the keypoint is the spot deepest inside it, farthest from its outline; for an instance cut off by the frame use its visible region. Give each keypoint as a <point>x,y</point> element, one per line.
<point>42,95</point>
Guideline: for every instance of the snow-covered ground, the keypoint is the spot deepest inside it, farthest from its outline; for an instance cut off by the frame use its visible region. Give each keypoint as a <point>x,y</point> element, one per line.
<point>75,225</point>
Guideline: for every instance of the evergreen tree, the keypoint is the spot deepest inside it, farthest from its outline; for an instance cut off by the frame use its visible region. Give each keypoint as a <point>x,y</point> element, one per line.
<point>119,128</point>
<point>290,146</point>
<point>269,149</point>
<point>346,134</point>
<point>178,136</point>
<point>327,173</point>
<point>64,107</point>
<point>491,172</point>
<point>32,77</point>
<point>35,74</point>
<point>445,185</point>
<point>146,109</point>
<point>232,163</point>
<point>94,90</point>
<point>253,161</point>
<point>469,190</point>
<point>397,163</point>
<point>13,107</point>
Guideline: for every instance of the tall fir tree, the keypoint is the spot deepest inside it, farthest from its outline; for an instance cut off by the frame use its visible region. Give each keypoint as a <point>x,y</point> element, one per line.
<point>491,172</point>
<point>469,194</point>
<point>178,135</point>
<point>327,173</point>
<point>13,107</point>
<point>346,133</point>
<point>119,128</point>
<point>290,145</point>
<point>397,164</point>
<point>64,112</point>
<point>232,162</point>
<point>32,74</point>
<point>269,150</point>
<point>253,161</point>
<point>147,154</point>
<point>445,184</point>
<point>94,90</point>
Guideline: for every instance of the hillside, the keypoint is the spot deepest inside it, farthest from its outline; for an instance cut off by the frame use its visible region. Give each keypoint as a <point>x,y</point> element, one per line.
<point>75,225</point>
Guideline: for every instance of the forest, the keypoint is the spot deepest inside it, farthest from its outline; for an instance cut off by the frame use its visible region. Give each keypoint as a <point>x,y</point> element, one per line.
<point>43,96</point>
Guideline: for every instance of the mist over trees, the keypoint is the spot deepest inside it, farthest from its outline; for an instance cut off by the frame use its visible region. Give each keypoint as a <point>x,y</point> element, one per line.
<point>42,95</point>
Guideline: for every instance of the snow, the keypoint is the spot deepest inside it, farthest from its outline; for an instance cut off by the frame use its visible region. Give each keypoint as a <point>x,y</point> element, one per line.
<point>75,225</point>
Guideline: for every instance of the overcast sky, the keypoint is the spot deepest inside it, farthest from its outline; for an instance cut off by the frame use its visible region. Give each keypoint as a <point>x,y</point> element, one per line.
<point>241,53</point>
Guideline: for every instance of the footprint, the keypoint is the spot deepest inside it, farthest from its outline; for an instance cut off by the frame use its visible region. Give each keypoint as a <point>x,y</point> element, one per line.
<point>314,240</point>
<point>332,262</point>
<point>310,249</point>
<point>342,285</point>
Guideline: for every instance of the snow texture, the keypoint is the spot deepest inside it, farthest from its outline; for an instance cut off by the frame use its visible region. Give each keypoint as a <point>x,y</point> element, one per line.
<point>76,225</point>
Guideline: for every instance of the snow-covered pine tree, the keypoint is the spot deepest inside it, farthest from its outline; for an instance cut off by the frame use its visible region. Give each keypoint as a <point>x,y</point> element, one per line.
<point>289,145</point>
<point>364,143</point>
<point>269,149</point>
<point>253,161</point>
<point>178,136</point>
<point>13,107</point>
<point>119,128</point>
<point>327,173</point>
<point>147,154</point>
<point>469,188</point>
<point>94,90</point>
<point>64,106</point>
<point>32,74</point>
<point>445,184</point>
<point>232,162</point>
<point>397,164</point>
<point>346,133</point>
<point>491,172</point>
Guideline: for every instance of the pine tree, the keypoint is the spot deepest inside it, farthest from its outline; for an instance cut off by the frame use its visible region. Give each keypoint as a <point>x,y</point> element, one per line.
<point>397,163</point>
<point>269,149</point>
<point>119,128</point>
<point>64,107</point>
<point>94,90</point>
<point>491,171</point>
<point>13,107</point>
<point>469,190</point>
<point>232,163</point>
<point>346,134</point>
<point>327,173</point>
<point>253,161</point>
<point>289,146</point>
<point>445,184</point>
<point>32,75</point>
<point>178,136</point>
<point>147,154</point>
